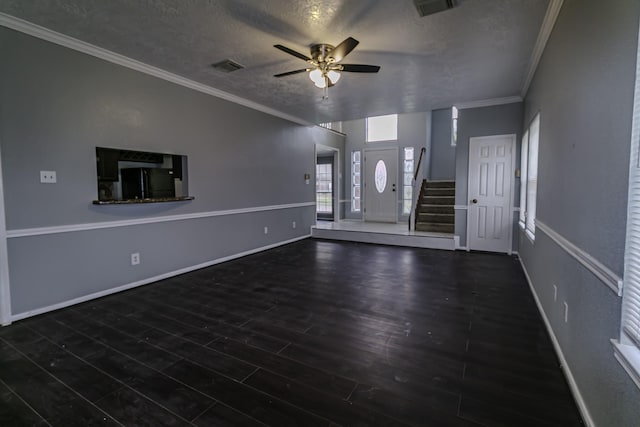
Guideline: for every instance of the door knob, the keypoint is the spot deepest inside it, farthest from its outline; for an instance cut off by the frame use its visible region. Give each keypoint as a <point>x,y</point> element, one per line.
<point>474,201</point>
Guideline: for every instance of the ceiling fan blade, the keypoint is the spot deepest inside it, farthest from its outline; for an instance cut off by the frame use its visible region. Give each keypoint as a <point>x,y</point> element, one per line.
<point>292,52</point>
<point>360,68</point>
<point>343,49</point>
<point>289,73</point>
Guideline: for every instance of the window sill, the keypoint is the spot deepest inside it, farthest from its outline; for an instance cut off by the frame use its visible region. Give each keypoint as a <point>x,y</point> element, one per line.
<point>530,236</point>
<point>629,358</point>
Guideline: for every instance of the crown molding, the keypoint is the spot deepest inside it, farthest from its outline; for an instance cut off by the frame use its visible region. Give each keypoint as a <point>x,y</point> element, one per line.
<point>488,102</point>
<point>543,37</point>
<point>46,34</point>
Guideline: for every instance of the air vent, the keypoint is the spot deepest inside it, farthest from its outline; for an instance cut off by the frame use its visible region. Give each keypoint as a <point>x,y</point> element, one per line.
<point>227,66</point>
<point>429,7</point>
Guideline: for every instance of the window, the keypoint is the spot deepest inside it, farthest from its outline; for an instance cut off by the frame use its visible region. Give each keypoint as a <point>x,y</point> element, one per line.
<point>382,128</point>
<point>407,181</point>
<point>532,177</point>
<point>529,178</point>
<point>454,126</point>
<point>355,181</point>
<point>627,349</point>
<point>324,188</point>
<point>523,179</point>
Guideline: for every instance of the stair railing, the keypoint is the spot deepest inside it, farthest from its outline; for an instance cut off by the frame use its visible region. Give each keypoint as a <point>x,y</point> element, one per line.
<point>415,194</point>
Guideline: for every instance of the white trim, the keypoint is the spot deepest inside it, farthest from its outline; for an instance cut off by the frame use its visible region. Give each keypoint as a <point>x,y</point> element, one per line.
<point>110,291</point>
<point>460,207</point>
<point>629,358</point>
<point>582,405</point>
<point>602,272</point>
<point>5,288</point>
<point>488,102</point>
<point>550,18</point>
<point>115,58</point>
<point>25,232</point>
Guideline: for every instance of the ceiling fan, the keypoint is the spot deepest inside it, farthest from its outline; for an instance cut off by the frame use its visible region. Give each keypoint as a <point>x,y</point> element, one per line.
<point>325,68</point>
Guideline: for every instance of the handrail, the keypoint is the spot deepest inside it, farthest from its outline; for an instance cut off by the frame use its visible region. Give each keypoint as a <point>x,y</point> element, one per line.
<point>414,201</point>
<point>422,151</point>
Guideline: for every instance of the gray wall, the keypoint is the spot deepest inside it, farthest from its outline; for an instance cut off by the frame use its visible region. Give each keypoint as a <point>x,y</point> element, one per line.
<point>485,121</point>
<point>583,90</point>
<point>57,105</point>
<point>443,155</point>
<point>414,130</point>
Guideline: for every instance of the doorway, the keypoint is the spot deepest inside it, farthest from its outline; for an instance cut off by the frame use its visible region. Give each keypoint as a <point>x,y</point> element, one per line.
<point>324,187</point>
<point>490,217</point>
<point>380,179</point>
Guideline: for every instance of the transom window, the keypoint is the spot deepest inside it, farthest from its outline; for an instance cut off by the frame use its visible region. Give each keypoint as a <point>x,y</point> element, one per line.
<point>382,128</point>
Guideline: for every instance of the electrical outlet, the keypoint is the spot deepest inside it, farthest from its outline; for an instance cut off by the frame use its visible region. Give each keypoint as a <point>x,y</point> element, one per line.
<point>135,258</point>
<point>566,312</point>
<point>555,293</point>
<point>266,230</point>
<point>293,224</point>
<point>48,177</point>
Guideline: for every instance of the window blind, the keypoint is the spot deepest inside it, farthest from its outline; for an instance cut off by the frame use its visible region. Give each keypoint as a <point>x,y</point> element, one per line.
<point>631,290</point>
<point>523,178</point>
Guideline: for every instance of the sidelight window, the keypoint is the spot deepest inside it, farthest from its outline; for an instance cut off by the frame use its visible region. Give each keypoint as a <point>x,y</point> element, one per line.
<point>355,181</point>
<point>407,180</point>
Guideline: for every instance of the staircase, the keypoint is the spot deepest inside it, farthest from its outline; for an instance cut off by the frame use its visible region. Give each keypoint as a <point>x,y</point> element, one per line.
<point>434,212</point>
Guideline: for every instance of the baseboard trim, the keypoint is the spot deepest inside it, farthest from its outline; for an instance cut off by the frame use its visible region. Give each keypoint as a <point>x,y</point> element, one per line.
<point>25,232</point>
<point>146,281</point>
<point>582,405</point>
<point>601,271</point>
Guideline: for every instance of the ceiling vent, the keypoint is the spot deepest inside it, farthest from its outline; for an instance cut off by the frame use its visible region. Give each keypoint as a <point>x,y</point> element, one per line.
<point>227,66</point>
<point>429,7</point>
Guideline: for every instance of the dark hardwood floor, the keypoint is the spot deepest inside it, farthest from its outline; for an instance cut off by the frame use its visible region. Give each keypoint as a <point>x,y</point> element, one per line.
<point>315,333</point>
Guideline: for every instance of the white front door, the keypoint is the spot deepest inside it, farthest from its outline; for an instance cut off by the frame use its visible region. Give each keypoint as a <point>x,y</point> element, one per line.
<point>380,181</point>
<point>490,169</point>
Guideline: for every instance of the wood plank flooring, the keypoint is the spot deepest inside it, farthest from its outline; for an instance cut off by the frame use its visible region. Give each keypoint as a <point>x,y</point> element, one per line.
<point>315,333</point>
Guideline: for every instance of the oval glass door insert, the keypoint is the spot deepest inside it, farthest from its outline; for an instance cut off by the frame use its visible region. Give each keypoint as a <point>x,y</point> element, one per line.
<point>380,176</point>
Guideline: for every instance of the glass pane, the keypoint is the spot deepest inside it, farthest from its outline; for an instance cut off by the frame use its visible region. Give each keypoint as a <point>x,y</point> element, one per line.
<point>408,166</point>
<point>356,205</point>
<point>356,168</point>
<point>356,180</point>
<point>408,153</point>
<point>356,192</point>
<point>407,179</point>
<point>380,176</point>
<point>356,156</point>
<point>406,206</point>
<point>407,193</point>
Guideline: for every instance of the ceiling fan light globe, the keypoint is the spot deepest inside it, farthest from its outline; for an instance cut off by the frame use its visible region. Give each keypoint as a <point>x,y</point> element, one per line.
<point>334,76</point>
<point>316,76</point>
<point>321,84</point>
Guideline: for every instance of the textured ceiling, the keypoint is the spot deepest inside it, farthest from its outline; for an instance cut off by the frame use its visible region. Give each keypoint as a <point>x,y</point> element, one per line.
<point>478,50</point>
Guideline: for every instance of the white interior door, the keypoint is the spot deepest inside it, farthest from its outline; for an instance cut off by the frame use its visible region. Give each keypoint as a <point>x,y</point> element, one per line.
<point>490,218</point>
<point>380,183</point>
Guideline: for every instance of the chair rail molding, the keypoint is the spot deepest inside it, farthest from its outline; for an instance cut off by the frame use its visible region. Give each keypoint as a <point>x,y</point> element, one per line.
<point>25,232</point>
<point>601,271</point>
